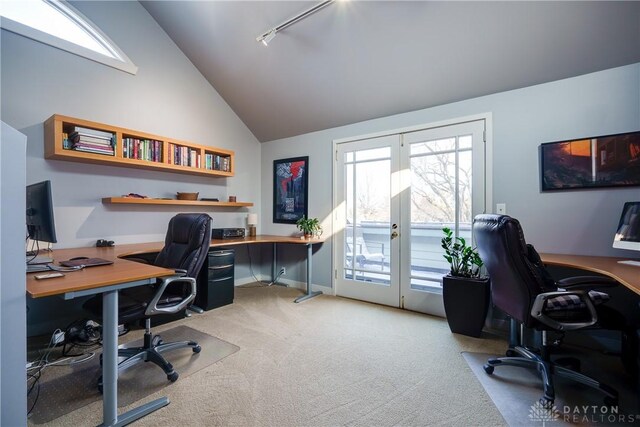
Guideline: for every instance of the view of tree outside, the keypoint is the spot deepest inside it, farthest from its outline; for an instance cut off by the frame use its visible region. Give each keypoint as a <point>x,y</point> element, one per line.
<point>433,181</point>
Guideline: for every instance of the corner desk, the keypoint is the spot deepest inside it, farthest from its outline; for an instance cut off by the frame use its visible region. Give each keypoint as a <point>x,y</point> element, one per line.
<point>109,279</point>
<point>627,275</point>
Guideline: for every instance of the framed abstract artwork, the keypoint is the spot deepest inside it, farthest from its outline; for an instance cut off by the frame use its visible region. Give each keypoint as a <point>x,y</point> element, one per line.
<point>290,189</point>
<point>601,161</point>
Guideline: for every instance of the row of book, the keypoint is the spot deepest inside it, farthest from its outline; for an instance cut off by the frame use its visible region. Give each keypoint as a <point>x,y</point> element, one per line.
<point>218,163</point>
<point>142,149</point>
<point>183,156</point>
<point>90,141</point>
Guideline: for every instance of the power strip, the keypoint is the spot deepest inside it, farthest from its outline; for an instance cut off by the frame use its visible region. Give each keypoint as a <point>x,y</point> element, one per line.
<point>58,338</point>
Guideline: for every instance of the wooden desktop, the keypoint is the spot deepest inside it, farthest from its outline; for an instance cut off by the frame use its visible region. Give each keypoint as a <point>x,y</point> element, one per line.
<point>626,275</point>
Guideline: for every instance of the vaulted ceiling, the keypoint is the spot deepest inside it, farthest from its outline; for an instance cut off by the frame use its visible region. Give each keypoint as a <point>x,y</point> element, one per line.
<point>358,60</point>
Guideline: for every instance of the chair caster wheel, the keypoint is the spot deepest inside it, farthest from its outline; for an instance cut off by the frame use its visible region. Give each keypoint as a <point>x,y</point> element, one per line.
<point>610,401</point>
<point>156,341</point>
<point>197,349</point>
<point>173,377</point>
<point>488,369</point>
<point>511,353</point>
<point>546,403</point>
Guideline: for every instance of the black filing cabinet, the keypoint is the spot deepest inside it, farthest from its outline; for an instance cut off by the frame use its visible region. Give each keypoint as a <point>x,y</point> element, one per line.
<point>216,280</point>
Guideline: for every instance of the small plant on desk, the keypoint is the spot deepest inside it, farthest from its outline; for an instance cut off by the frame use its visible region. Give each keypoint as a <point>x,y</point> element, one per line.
<point>309,226</point>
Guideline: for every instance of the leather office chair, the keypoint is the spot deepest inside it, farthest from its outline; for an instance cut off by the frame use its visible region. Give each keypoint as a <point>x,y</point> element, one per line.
<point>186,247</point>
<point>523,289</point>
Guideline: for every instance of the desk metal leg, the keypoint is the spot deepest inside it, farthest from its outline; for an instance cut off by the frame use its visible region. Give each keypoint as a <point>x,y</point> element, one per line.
<point>110,369</point>
<point>273,264</point>
<point>309,294</point>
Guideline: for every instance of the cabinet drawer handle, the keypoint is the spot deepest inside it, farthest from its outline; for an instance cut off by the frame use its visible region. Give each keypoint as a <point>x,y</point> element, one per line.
<point>220,253</point>
<point>220,280</point>
<point>220,267</point>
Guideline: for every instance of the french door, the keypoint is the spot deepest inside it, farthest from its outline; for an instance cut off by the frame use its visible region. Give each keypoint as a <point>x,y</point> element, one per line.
<point>394,194</point>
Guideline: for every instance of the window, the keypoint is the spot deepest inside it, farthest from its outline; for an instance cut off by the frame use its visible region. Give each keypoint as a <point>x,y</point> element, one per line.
<point>57,24</point>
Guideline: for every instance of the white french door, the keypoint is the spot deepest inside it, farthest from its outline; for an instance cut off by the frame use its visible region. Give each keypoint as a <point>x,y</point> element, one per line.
<point>394,194</point>
<point>368,214</point>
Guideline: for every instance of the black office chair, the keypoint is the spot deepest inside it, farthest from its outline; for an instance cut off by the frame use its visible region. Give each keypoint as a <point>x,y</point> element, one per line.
<point>186,246</point>
<point>524,290</point>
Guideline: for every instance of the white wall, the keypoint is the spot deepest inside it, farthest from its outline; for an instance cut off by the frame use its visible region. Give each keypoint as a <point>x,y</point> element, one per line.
<point>168,96</point>
<point>13,341</point>
<point>580,222</point>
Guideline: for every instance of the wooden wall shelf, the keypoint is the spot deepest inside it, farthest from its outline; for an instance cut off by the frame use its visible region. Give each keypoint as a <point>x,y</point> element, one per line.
<point>135,201</point>
<point>54,148</point>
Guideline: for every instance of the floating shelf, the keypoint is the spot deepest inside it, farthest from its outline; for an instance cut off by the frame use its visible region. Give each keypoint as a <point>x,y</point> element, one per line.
<point>135,201</point>
<point>57,125</point>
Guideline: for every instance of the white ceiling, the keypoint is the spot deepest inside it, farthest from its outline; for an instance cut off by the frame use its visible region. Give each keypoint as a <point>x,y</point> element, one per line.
<point>358,60</point>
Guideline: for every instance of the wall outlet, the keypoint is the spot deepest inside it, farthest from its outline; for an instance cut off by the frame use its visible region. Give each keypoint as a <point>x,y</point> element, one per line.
<point>501,208</point>
<point>283,271</point>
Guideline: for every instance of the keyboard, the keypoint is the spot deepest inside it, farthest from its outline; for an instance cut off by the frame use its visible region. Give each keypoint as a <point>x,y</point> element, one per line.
<point>39,260</point>
<point>35,268</point>
<point>630,262</point>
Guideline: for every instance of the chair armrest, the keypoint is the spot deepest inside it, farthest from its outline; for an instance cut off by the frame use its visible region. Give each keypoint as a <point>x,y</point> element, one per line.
<point>153,308</point>
<point>180,271</point>
<point>537,310</point>
<point>587,282</point>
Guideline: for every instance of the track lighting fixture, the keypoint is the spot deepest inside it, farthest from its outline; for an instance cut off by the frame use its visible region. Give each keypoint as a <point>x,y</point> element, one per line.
<point>267,36</point>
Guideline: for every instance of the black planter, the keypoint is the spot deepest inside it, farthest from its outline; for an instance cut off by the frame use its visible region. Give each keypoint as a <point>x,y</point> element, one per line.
<point>466,302</point>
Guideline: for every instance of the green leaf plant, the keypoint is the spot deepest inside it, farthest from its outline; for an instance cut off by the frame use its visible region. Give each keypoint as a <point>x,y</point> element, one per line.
<point>463,259</point>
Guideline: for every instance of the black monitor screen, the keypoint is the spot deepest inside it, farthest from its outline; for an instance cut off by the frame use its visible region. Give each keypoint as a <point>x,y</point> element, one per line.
<point>40,223</point>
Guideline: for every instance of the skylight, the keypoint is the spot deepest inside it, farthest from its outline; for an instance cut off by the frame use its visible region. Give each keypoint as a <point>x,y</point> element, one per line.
<point>57,24</point>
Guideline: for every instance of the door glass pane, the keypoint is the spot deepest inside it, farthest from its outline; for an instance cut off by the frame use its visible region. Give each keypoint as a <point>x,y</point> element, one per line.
<point>465,141</point>
<point>432,208</point>
<point>429,147</point>
<point>367,234</point>
<point>374,153</point>
<point>465,214</point>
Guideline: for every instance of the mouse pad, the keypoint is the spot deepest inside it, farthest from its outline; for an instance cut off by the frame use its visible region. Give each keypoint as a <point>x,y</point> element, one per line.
<point>87,262</point>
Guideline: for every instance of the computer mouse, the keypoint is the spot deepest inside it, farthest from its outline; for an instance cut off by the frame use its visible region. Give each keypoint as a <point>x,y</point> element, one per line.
<point>78,257</point>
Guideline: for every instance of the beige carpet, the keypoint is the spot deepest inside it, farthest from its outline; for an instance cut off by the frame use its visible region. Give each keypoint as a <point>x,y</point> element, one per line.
<point>325,362</point>
<point>516,390</point>
<point>66,388</point>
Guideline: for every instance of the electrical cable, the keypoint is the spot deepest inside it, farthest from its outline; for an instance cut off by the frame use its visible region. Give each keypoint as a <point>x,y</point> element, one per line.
<point>262,283</point>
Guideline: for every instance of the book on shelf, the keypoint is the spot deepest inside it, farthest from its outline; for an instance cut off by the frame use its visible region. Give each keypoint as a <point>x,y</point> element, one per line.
<point>95,150</point>
<point>91,140</point>
<point>93,132</point>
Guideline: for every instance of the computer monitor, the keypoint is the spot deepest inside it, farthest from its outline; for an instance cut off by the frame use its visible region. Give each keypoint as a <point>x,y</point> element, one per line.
<point>40,223</point>
<point>628,233</point>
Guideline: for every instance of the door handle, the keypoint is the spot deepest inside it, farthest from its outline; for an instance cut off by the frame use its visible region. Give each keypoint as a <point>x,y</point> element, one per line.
<point>394,234</point>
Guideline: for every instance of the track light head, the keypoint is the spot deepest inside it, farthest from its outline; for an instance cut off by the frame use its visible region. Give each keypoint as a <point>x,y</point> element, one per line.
<point>267,37</point>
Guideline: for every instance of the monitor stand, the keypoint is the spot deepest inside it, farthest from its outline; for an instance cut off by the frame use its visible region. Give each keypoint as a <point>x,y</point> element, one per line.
<point>630,262</point>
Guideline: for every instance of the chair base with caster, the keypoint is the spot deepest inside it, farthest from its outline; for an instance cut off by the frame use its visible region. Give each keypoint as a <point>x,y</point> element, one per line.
<point>525,358</point>
<point>151,352</point>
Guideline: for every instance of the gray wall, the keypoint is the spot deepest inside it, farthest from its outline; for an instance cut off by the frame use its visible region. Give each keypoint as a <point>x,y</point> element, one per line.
<point>13,341</point>
<point>168,96</point>
<point>580,222</point>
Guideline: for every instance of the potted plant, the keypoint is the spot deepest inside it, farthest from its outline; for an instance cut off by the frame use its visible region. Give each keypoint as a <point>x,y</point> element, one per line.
<point>464,290</point>
<point>309,226</point>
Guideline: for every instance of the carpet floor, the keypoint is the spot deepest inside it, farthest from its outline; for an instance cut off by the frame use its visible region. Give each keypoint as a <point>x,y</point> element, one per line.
<point>328,361</point>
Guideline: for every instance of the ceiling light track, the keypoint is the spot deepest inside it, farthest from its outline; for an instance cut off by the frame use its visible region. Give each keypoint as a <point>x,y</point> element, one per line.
<point>267,36</point>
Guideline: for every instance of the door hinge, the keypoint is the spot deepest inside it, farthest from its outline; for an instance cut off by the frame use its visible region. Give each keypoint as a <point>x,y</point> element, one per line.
<point>484,136</point>
<point>336,155</point>
<point>335,274</point>
<point>402,301</point>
